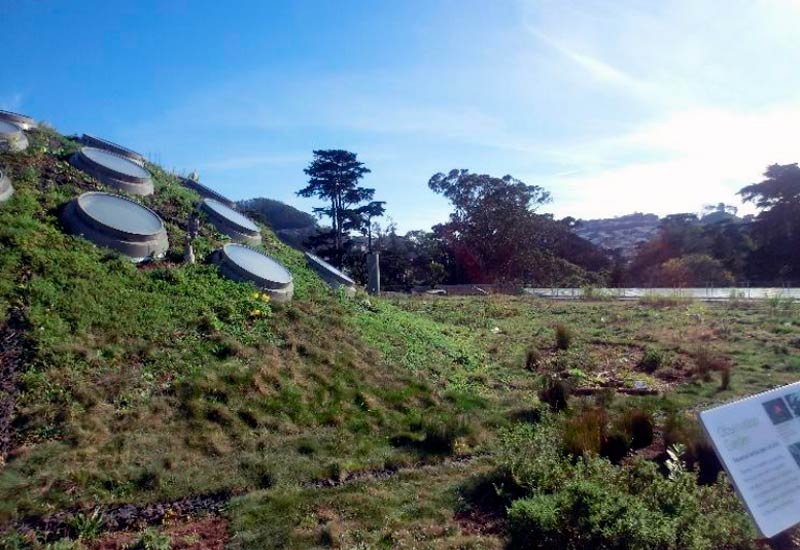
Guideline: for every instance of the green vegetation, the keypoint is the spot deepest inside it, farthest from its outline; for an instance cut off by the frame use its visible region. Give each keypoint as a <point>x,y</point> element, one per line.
<point>158,381</point>
<point>592,504</point>
<point>373,422</point>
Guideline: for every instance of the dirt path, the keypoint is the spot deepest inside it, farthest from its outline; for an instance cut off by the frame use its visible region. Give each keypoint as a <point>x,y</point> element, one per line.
<point>381,474</point>
<point>130,517</point>
<point>124,517</point>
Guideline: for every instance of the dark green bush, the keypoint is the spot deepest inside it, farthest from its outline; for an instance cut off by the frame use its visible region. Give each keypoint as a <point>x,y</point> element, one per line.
<point>532,359</point>
<point>605,397</point>
<point>554,392</point>
<point>699,453</point>
<point>493,492</point>
<point>585,433</point>
<point>563,337</point>
<point>435,435</point>
<point>441,435</point>
<point>615,446</point>
<point>259,471</point>
<point>152,539</point>
<point>652,360</point>
<point>594,504</point>
<point>706,361</point>
<point>725,379</point>
<point>638,425</point>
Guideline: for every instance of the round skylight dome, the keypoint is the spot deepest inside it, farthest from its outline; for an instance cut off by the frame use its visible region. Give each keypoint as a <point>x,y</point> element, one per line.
<point>335,278</point>
<point>24,122</point>
<point>228,221</point>
<point>242,263</point>
<point>206,192</point>
<point>114,170</point>
<point>100,143</point>
<point>119,223</point>
<point>12,138</point>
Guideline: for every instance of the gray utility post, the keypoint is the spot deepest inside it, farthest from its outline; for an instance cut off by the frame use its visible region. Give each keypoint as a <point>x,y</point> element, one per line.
<point>192,230</point>
<point>374,271</point>
<point>188,251</point>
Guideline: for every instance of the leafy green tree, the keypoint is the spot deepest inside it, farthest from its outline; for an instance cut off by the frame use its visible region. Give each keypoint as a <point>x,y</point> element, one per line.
<point>692,270</point>
<point>776,230</point>
<point>431,261</point>
<point>333,177</point>
<point>494,233</point>
<point>678,235</point>
<point>720,212</point>
<point>366,214</point>
<point>493,226</point>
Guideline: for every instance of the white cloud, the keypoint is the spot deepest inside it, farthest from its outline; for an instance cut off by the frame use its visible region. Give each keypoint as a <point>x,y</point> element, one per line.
<point>708,155</point>
<point>614,107</point>
<point>597,68</point>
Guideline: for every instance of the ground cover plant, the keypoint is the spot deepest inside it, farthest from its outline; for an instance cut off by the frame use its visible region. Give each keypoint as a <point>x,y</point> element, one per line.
<point>393,422</point>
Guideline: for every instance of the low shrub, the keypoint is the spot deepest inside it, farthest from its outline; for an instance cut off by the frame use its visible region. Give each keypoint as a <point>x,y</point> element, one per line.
<point>699,454</point>
<point>705,361</point>
<point>87,526</point>
<point>259,471</point>
<point>563,337</point>
<point>651,361</point>
<point>493,492</point>
<point>585,433</point>
<point>605,397</point>
<point>615,446</point>
<point>435,435</point>
<point>554,392</point>
<point>532,359</point>
<point>725,379</point>
<point>441,436</point>
<point>593,504</point>
<point>638,425</point>
<point>591,293</point>
<point>151,539</point>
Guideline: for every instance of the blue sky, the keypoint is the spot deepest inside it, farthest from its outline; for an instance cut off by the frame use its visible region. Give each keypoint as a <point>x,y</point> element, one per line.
<point>615,106</point>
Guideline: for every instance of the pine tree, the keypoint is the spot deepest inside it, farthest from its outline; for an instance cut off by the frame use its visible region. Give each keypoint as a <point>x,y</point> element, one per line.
<point>333,177</point>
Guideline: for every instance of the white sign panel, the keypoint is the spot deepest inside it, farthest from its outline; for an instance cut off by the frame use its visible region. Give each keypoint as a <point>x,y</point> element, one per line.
<point>758,441</point>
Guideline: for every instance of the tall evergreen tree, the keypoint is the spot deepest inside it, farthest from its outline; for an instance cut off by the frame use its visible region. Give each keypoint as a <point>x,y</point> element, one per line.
<point>333,177</point>
<point>776,230</point>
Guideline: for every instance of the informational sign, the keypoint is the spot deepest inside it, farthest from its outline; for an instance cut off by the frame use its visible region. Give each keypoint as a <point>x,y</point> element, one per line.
<point>758,441</point>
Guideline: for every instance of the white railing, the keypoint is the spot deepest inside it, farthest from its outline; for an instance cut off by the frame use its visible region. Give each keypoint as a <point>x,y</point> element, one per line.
<point>710,293</point>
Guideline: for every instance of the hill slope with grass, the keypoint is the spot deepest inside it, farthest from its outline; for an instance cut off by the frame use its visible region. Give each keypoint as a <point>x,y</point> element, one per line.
<point>149,383</point>
<point>143,406</point>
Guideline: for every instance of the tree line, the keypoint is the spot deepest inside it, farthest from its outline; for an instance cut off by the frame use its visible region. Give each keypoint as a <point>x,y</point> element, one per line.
<point>496,234</point>
<point>764,251</point>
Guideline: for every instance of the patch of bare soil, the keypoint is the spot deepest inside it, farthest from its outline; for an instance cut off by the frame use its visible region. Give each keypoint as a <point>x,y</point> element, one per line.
<point>157,264</point>
<point>481,522</point>
<point>52,171</point>
<point>381,474</point>
<point>654,452</point>
<point>126,517</point>
<point>207,533</point>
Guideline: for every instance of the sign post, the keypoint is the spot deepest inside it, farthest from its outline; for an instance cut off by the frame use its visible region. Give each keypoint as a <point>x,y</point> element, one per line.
<point>758,442</point>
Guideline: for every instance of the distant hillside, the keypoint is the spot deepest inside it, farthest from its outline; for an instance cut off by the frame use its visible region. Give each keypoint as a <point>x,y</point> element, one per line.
<point>622,233</point>
<point>294,227</point>
<point>720,217</point>
<point>277,215</point>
